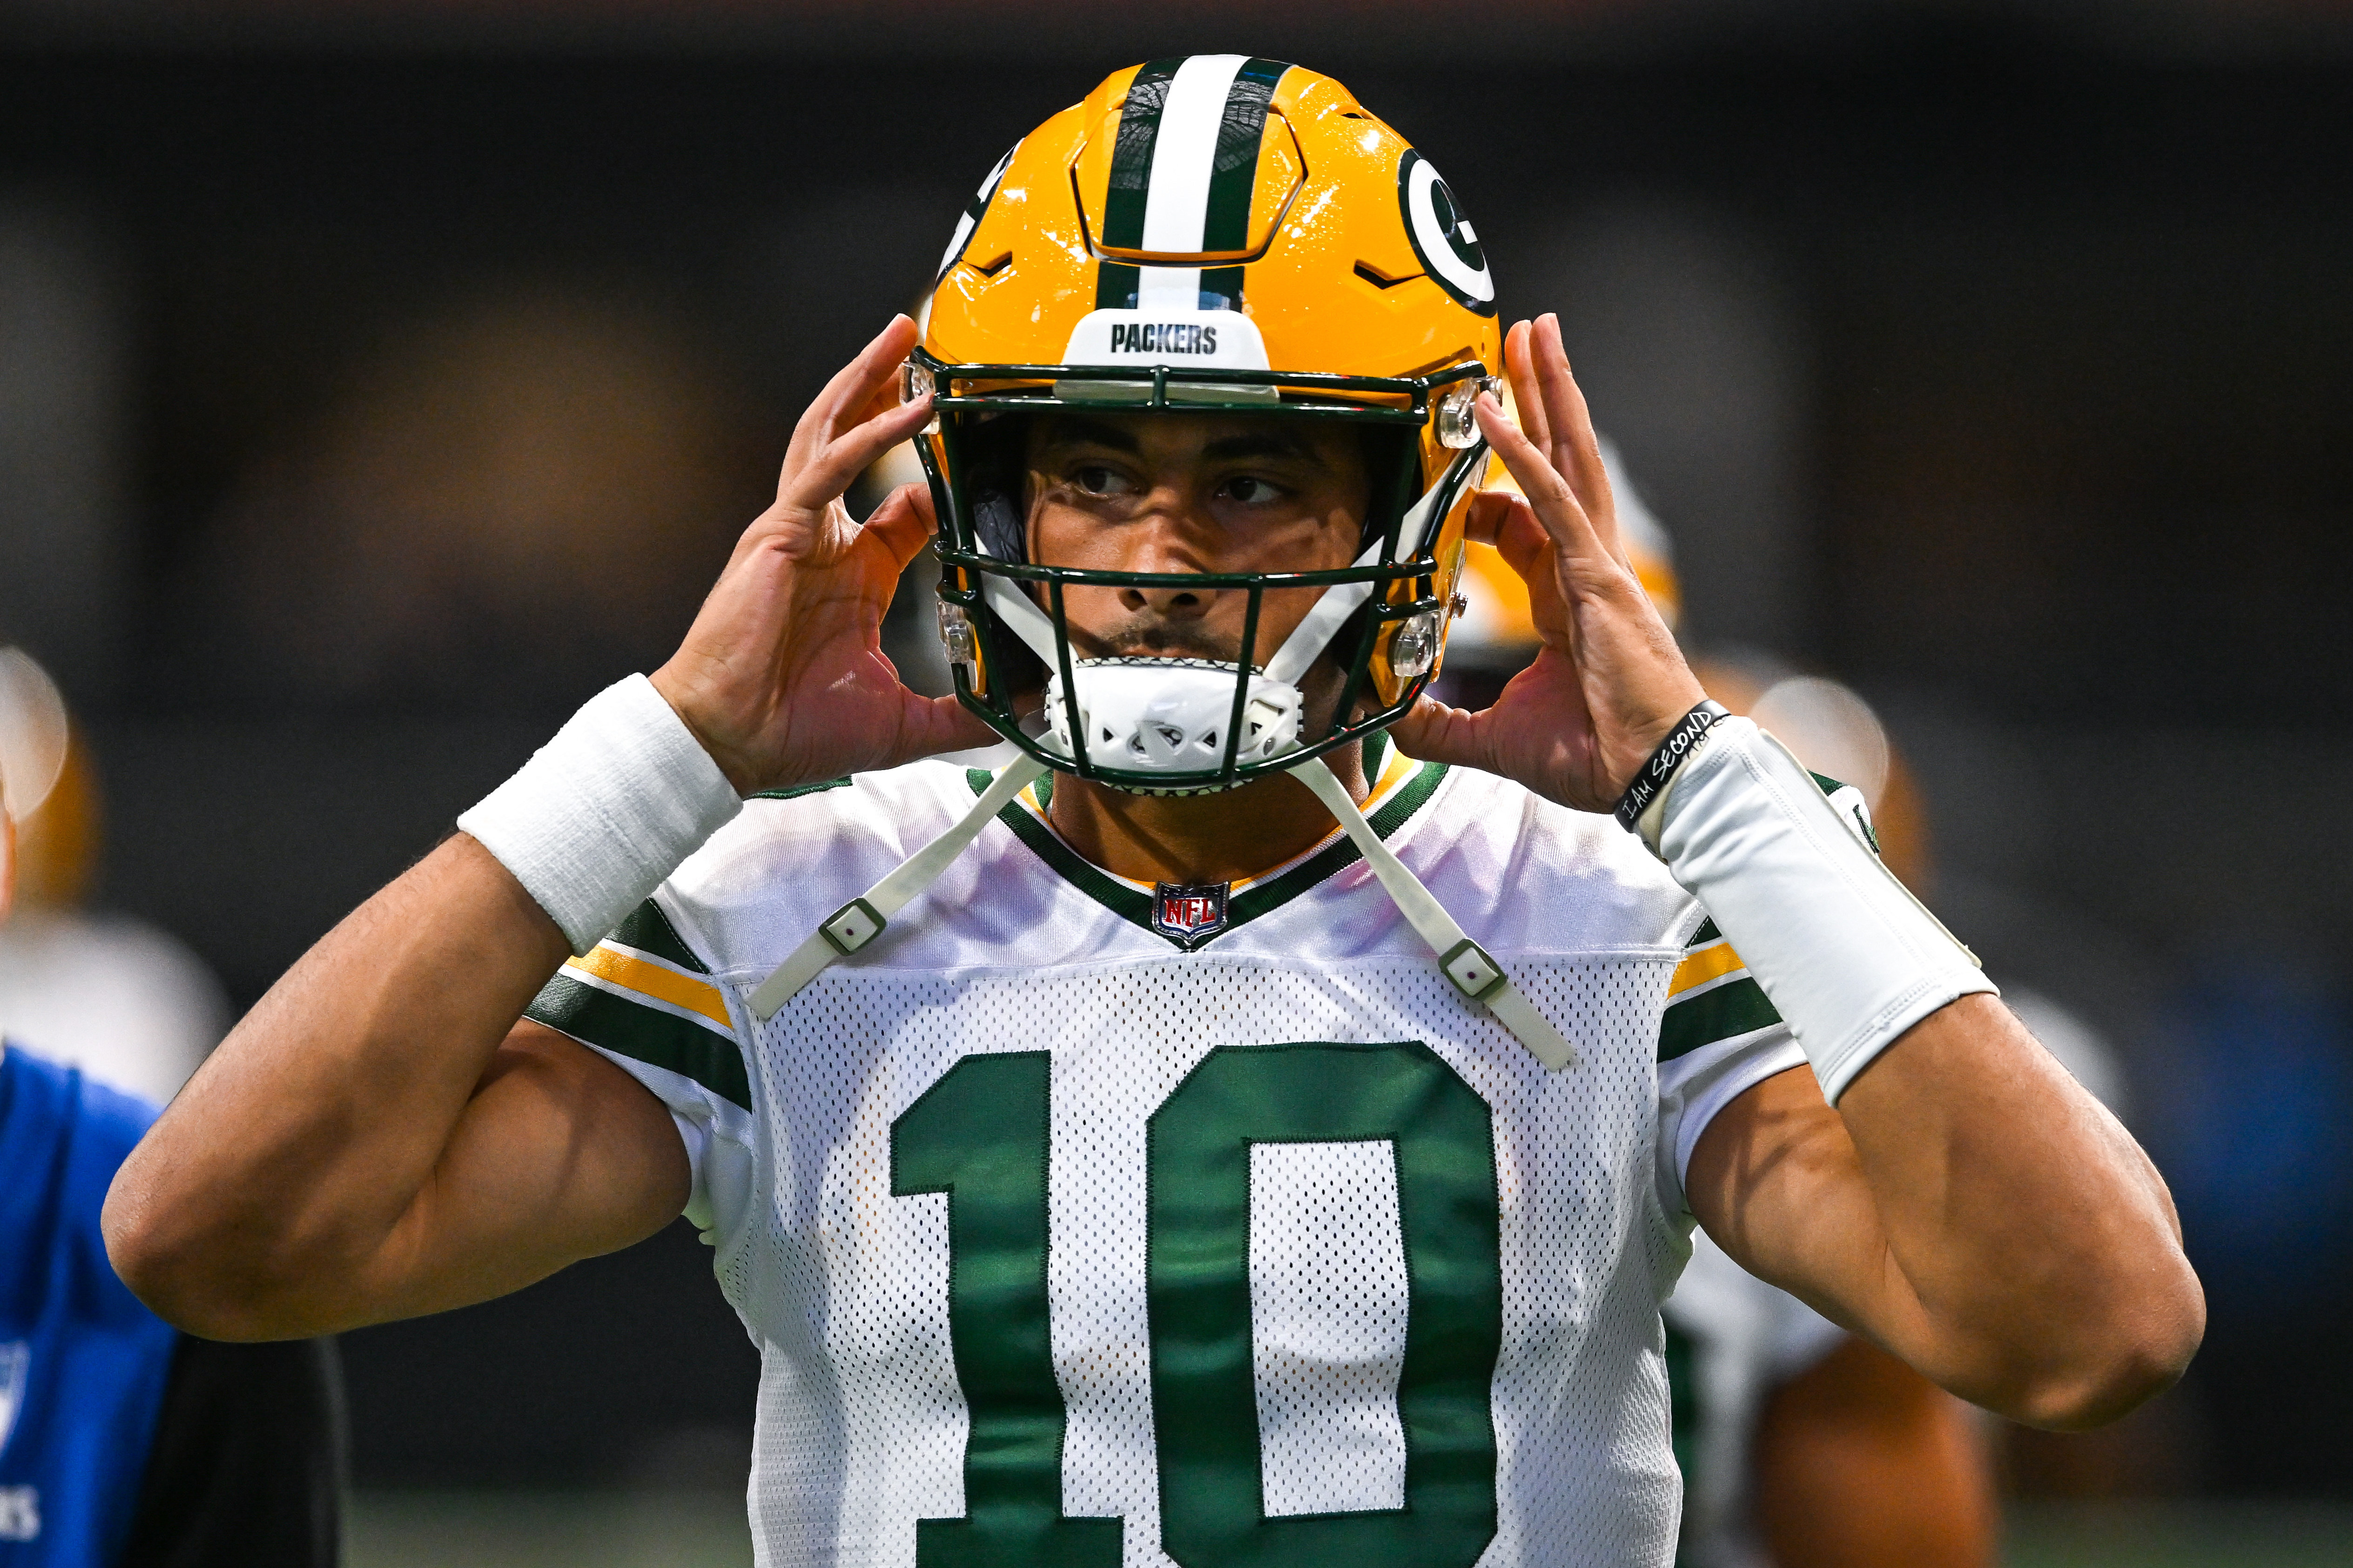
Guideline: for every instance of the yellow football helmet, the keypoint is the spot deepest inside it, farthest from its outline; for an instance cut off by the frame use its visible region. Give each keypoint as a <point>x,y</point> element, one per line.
<point>1211,233</point>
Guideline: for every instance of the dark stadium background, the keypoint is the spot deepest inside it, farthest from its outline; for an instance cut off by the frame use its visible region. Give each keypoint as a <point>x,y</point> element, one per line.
<point>1997,360</point>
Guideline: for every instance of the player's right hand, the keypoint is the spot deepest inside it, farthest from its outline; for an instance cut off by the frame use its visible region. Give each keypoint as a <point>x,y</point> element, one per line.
<point>782,676</point>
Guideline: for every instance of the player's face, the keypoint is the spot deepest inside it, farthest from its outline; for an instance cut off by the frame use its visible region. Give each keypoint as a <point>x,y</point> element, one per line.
<point>1160,492</point>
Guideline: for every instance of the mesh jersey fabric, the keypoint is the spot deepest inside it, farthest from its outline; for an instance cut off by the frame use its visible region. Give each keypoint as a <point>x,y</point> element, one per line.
<point>1268,1164</point>
<point>1733,1340</point>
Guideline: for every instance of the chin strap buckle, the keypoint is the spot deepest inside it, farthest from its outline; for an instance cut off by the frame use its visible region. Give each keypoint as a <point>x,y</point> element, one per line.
<point>859,922</point>
<point>1468,967</point>
<point>1474,971</point>
<point>852,926</point>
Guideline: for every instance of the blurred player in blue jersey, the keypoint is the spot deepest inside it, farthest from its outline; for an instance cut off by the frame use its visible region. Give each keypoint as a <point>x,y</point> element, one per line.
<point>122,1441</point>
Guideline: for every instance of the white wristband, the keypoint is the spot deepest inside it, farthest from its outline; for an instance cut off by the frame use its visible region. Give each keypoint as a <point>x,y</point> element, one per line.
<point>1844,950</point>
<point>605,810</point>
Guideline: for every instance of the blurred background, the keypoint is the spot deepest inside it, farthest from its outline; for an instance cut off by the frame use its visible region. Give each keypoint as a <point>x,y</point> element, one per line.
<point>379,380</point>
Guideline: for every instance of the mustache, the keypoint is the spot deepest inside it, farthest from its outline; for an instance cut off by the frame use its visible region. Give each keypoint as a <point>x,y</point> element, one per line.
<point>1145,639</point>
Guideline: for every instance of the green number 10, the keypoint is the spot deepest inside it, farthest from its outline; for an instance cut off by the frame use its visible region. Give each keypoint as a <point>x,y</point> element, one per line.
<point>980,1135</point>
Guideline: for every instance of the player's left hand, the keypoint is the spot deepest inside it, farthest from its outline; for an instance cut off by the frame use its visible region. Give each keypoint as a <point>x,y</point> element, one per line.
<point>1608,682</point>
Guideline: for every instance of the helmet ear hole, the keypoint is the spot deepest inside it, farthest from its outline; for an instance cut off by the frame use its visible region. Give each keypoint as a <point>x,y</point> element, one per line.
<point>999,524</point>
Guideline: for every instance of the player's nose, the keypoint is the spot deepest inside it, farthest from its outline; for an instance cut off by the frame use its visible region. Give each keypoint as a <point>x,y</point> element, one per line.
<point>1169,538</point>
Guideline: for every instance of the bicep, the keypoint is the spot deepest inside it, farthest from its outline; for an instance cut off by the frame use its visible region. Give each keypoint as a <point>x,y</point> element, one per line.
<point>1775,1180</point>
<point>559,1155</point>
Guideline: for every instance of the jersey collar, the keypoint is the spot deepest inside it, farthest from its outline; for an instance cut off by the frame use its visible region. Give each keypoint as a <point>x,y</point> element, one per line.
<point>1403,786</point>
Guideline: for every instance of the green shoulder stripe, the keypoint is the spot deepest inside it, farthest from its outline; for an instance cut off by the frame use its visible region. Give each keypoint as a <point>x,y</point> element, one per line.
<point>1705,934</point>
<point>649,931</point>
<point>644,1034</point>
<point>1739,1007</point>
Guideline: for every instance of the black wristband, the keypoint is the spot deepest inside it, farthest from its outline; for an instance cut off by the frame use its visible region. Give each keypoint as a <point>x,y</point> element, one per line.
<point>1652,777</point>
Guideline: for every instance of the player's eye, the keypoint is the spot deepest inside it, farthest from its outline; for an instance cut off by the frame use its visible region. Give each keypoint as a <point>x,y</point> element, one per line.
<point>1249,491</point>
<point>1097,480</point>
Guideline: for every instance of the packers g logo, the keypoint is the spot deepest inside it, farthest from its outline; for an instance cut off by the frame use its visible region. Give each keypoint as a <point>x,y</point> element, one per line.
<point>969,219</point>
<point>1442,237</point>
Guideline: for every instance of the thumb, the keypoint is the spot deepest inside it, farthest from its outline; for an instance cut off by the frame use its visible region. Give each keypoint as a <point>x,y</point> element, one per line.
<point>931,725</point>
<point>902,524</point>
<point>1433,732</point>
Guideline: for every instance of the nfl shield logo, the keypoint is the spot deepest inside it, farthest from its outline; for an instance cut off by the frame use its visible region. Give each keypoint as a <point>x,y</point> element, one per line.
<point>1189,913</point>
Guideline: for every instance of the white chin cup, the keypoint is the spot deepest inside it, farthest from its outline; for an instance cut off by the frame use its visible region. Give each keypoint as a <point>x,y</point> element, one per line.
<point>1169,715</point>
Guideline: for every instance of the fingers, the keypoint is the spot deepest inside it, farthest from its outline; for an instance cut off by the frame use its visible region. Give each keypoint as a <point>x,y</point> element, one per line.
<point>1527,398</point>
<point>1523,542</point>
<point>1549,496</point>
<point>824,478</point>
<point>1433,732</point>
<point>1575,447</point>
<point>853,421</point>
<point>903,523</point>
<point>1490,515</point>
<point>856,381</point>
<point>929,725</point>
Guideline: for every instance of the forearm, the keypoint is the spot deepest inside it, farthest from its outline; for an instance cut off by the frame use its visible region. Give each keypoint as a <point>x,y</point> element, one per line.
<point>2037,1245</point>
<point>293,1156</point>
<point>1971,1209</point>
<point>1966,1204</point>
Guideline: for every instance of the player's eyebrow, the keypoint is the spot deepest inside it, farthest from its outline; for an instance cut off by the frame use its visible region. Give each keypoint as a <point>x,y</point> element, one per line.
<point>1270,443</point>
<point>1077,430</point>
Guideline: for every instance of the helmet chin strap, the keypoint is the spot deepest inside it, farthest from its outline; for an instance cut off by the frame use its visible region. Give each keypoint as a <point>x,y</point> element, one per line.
<point>1462,960</point>
<point>862,919</point>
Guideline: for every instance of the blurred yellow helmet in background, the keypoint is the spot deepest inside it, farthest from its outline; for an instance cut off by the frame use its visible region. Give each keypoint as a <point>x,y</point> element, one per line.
<point>47,784</point>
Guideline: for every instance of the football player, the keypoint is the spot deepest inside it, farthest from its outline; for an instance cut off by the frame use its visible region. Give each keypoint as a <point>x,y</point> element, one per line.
<point>126,1002</point>
<point>1223,1135</point>
<point>124,1440</point>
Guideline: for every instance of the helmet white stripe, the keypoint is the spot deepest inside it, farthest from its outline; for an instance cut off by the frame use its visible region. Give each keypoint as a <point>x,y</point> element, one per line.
<point>1185,154</point>
<point>1167,288</point>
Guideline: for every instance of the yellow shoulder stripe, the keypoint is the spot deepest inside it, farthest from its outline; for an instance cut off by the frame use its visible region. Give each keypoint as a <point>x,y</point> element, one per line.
<point>652,980</point>
<point>1708,964</point>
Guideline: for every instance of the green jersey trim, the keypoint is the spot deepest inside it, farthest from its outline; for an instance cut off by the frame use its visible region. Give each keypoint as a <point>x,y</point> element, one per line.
<point>1734,1009</point>
<point>638,995</point>
<point>649,931</point>
<point>1259,899</point>
<point>626,1028</point>
<point>796,791</point>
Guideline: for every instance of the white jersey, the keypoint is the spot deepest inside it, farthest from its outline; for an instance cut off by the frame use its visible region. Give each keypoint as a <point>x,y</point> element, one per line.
<point>1732,1340</point>
<point>1084,1223</point>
